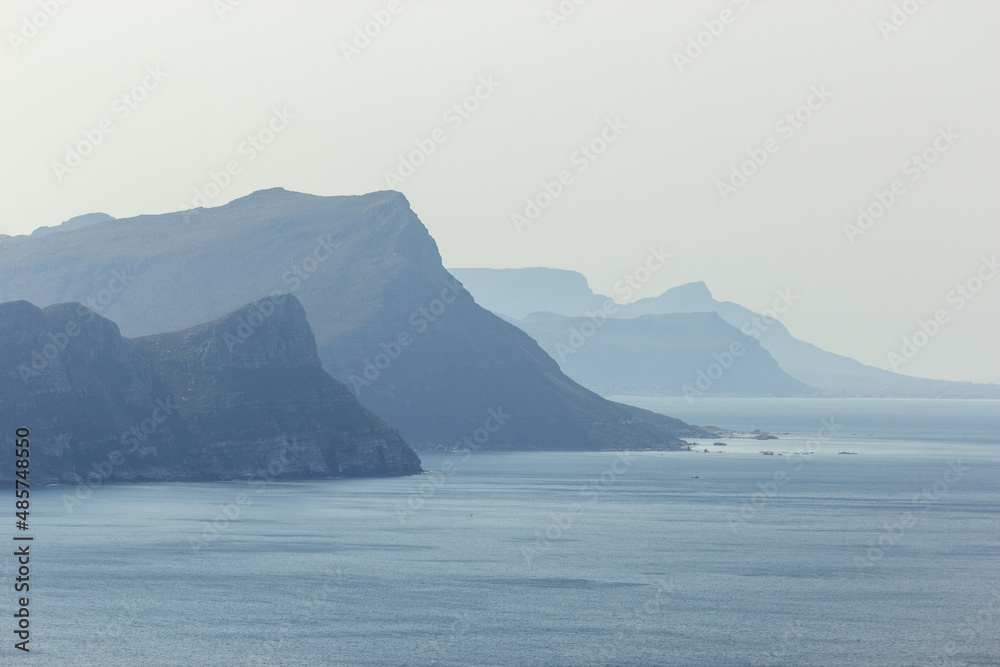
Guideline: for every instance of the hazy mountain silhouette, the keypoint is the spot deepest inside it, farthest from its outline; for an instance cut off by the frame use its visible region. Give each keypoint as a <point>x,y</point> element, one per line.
<point>693,354</point>
<point>194,404</point>
<point>527,290</point>
<point>390,322</point>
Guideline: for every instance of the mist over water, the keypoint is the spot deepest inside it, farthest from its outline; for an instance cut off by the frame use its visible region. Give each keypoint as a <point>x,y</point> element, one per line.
<point>558,558</point>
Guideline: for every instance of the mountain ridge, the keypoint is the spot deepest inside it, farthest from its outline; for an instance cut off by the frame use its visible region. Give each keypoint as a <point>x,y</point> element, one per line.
<point>832,373</point>
<point>183,405</point>
<point>367,272</point>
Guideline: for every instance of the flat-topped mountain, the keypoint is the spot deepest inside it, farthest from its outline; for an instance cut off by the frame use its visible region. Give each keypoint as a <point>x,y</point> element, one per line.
<point>242,396</point>
<point>390,322</point>
<point>689,354</point>
<point>522,291</point>
<point>517,293</point>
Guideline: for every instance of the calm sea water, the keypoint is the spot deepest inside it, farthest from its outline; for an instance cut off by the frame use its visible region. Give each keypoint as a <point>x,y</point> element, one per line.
<point>887,557</point>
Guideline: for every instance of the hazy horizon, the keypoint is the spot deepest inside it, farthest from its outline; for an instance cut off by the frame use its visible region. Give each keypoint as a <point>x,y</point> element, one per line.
<point>198,81</point>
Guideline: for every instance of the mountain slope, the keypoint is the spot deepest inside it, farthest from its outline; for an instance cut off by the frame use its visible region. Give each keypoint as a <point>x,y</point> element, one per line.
<point>390,322</point>
<point>835,374</point>
<point>681,354</point>
<point>515,293</point>
<point>250,393</point>
<point>69,377</point>
<point>186,405</point>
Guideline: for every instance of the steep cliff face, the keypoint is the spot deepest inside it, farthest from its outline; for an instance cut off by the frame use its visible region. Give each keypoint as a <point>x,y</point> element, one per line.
<point>241,396</point>
<point>91,400</point>
<point>390,322</point>
<point>252,391</point>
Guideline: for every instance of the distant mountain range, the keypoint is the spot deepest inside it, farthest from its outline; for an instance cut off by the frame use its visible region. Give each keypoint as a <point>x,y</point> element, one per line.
<point>389,321</point>
<point>518,293</point>
<point>693,354</point>
<point>191,405</point>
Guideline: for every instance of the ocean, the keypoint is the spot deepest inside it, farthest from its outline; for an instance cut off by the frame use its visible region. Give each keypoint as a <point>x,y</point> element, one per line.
<point>805,556</point>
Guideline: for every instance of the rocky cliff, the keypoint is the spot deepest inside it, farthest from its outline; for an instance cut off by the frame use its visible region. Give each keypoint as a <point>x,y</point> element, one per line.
<point>390,322</point>
<point>196,404</point>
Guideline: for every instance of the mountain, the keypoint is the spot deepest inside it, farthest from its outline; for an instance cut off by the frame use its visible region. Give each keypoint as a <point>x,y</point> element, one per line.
<point>78,222</point>
<point>69,377</point>
<point>515,293</point>
<point>835,374</point>
<point>390,322</point>
<point>187,405</point>
<point>689,354</point>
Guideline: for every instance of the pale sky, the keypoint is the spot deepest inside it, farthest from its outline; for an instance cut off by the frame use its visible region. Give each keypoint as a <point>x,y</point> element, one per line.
<point>199,80</point>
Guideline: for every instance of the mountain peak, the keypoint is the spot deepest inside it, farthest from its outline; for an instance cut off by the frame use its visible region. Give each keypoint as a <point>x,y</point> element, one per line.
<point>695,290</point>
<point>265,195</point>
<point>76,222</point>
<point>272,331</point>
